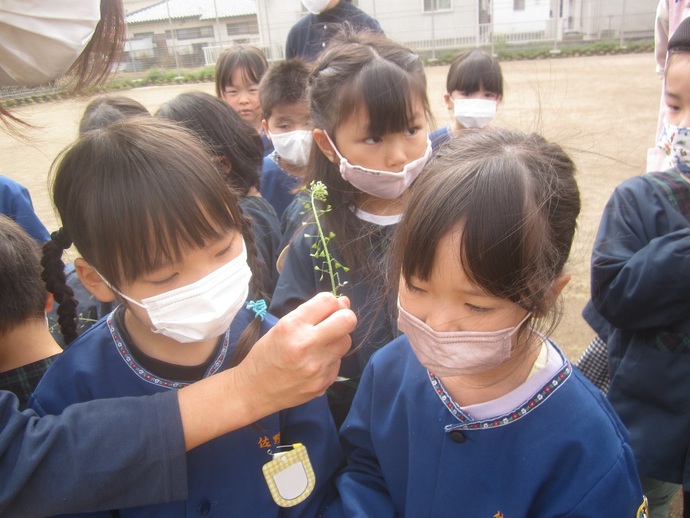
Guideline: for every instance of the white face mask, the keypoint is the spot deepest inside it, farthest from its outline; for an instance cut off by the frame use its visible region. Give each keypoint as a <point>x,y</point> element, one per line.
<point>41,40</point>
<point>675,144</point>
<point>202,310</point>
<point>315,6</point>
<point>382,184</point>
<point>474,113</point>
<point>457,353</point>
<point>294,146</point>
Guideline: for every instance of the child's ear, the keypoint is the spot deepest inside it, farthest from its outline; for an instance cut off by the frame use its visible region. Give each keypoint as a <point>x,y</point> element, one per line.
<point>264,125</point>
<point>50,300</point>
<point>449,101</point>
<point>557,287</point>
<point>324,145</point>
<point>92,281</point>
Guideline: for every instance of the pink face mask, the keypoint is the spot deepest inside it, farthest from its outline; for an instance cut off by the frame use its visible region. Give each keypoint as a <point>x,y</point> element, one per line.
<point>382,184</point>
<point>457,353</point>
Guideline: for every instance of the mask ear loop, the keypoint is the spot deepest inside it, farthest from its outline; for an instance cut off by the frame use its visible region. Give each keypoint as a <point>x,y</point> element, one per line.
<point>118,292</point>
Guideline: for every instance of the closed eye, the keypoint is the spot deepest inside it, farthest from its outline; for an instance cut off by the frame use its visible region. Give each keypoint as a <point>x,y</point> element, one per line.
<point>477,309</point>
<point>166,280</point>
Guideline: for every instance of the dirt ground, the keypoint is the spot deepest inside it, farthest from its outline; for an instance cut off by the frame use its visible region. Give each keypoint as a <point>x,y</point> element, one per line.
<point>602,109</point>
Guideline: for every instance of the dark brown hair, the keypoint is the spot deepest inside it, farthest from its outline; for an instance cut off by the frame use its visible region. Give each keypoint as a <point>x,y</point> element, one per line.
<point>249,59</point>
<point>284,83</point>
<point>104,110</point>
<point>136,195</point>
<point>22,293</point>
<point>359,71</point>
<point>473,70</point>
<point>515,199</point>
<point>224,133</point>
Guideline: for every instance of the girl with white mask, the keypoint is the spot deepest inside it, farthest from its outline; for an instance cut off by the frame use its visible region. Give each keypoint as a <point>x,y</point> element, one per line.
<point>158,230</point>
<point>367,98</point>
<point>485,409</point>
<point>474,89</point>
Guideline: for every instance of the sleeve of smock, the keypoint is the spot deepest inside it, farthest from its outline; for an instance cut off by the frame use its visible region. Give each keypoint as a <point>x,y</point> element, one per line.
<point>640,275</point>
<point>126,451</point>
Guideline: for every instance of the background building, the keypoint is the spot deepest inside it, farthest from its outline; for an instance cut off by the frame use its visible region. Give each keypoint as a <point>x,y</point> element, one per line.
<point>190,33</point>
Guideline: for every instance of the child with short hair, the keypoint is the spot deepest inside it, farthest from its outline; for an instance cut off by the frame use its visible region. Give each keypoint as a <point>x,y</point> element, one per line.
<point>640,277</point>
<point>237,152</point>
<point>368,100</point>
<point>287,123</point>
<point>239,70</point>
<point>159,231</point>
<point>26,346</point>
<point>474,411</point>
<point>474,89</point>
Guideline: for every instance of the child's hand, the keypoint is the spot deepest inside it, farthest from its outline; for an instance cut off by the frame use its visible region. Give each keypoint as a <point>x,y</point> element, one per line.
<point>299,358</point>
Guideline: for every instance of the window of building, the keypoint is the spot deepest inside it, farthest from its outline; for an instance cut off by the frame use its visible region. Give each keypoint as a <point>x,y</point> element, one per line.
<point>242,27</point>
<point>436,5</point>
<point>191,33</point>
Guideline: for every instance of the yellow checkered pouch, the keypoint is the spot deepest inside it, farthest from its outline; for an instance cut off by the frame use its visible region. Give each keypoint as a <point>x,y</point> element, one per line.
<point>290,476</point>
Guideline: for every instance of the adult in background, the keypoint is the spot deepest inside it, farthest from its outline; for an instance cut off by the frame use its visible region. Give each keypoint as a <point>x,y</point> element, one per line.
<point>311,34</point>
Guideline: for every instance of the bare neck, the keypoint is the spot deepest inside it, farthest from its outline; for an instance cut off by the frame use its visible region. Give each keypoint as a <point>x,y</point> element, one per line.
<point>29,342</point>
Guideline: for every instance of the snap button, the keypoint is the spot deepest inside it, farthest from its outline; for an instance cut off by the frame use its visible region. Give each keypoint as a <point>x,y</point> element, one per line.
<point>457,436</point>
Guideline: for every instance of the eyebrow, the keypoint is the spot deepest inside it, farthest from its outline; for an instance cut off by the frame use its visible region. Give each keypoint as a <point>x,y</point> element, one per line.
<point>670,94</point>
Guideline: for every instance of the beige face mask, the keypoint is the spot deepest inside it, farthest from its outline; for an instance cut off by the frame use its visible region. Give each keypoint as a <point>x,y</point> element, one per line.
<point>457,353</point>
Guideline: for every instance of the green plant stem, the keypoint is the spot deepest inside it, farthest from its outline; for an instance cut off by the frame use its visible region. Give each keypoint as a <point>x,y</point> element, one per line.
<point>322,237</point>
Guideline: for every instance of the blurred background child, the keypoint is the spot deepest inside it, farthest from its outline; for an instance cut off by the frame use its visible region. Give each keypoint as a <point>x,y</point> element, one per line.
<point>474,89</point>
<point>287,123</point>
<point>239,70</point>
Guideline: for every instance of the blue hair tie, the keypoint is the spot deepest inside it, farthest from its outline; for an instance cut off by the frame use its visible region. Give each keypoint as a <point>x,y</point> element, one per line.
<point>258,307</point>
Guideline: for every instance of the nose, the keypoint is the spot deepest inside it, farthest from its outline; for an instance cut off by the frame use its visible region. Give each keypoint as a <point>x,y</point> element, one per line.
<point>685,119</point>
<point>243,97</point>
<point>442,319</point>
<point>396,155</point>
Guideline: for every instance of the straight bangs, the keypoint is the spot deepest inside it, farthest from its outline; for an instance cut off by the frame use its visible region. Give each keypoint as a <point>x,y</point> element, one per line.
<point>494,249</point>
<point>378,91</point>
<point>250,60</point>
<point>136,195</point>
<point>475,70</point>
